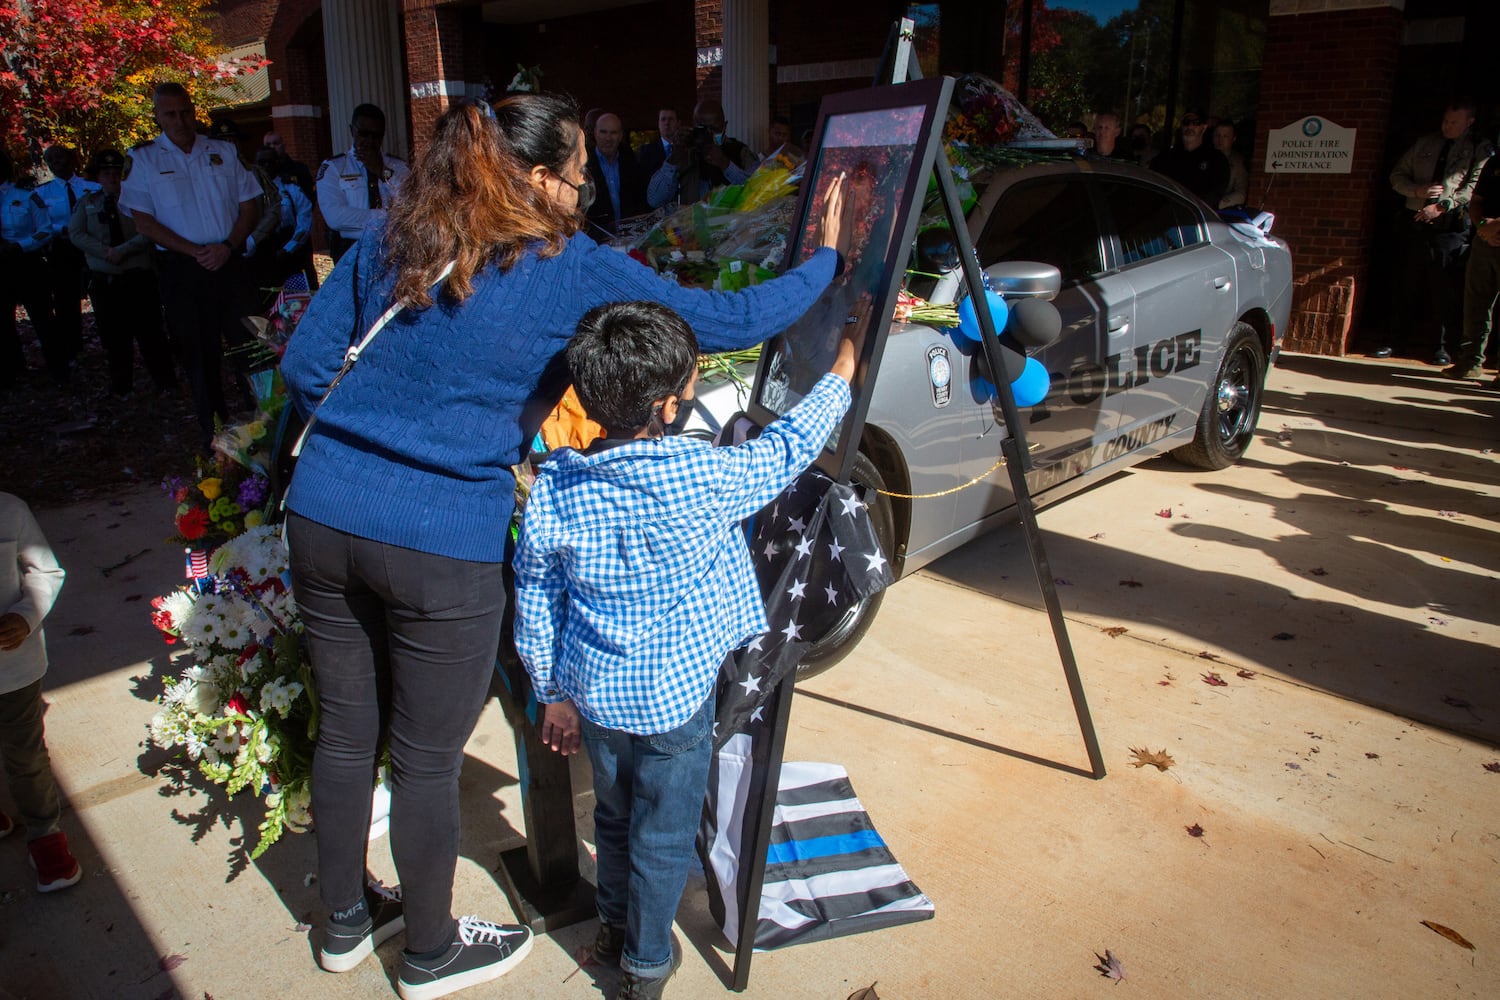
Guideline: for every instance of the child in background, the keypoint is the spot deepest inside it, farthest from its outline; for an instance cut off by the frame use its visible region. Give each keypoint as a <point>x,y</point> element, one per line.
<point>29,581</point>
<point>633,583</point>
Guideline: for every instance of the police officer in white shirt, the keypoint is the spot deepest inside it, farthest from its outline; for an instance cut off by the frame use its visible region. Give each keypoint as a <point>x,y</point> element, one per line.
<point>196,201</point>
<point>66,269</point>
<point>355,184</point>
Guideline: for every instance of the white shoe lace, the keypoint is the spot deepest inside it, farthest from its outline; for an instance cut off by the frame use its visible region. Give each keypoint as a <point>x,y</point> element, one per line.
<point>473,930</point>
<point>379,888</point>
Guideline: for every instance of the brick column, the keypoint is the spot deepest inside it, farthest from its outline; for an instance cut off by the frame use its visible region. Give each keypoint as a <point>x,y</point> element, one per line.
<point>434,61</point>
<point>708,24</point>
<point>1335,59</point>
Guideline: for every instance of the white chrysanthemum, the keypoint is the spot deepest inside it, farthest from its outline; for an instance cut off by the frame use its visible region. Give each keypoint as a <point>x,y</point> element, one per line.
<point>195,746</point>
<point>177,606</point>
<point>198,699</point>
<point>169,726</point>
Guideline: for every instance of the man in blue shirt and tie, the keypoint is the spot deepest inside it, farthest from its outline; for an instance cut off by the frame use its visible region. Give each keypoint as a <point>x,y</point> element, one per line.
<point>618,179</point>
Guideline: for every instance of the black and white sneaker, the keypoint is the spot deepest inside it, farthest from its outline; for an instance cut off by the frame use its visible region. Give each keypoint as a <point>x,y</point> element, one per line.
<point>345,947</point>
<point>482,951</point>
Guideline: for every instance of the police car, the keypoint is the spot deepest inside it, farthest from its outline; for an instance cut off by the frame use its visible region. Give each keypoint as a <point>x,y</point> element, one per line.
<point>1170,318</point>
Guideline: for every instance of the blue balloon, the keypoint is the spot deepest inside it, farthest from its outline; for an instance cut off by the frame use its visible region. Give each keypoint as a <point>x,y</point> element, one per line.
<point>968,323</point>
<point>1030,389</point>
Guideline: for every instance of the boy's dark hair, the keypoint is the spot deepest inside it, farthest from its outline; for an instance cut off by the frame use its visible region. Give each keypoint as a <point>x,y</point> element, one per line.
<point>627,355</point>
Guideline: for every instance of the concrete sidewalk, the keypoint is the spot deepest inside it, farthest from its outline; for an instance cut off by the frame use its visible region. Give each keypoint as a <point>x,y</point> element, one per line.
<point>1344,583</point>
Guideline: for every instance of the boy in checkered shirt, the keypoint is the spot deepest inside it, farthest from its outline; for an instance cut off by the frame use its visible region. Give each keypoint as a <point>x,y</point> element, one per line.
<point>633,583</point>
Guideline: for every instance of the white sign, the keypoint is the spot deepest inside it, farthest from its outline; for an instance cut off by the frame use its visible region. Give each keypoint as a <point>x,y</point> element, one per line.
<point>1312,145</point>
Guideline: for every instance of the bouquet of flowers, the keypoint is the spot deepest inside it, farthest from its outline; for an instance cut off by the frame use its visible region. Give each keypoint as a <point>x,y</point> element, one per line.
<point>244,712</point>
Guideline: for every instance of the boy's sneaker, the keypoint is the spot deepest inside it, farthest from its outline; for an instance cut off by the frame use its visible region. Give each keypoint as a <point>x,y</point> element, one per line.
<point>634,987</point>
<point>7,826</point>
<point>55,867</point>
<point>344,947</point>
<point>481,952</point>
<point>609,944</point>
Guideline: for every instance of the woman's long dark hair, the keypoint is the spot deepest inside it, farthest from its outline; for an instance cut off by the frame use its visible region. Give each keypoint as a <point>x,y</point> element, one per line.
<point>467,201</point>
<point>542,130</point>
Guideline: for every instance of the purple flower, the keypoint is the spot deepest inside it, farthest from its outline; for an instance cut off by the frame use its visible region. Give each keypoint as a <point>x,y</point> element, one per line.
<point>253,492</point>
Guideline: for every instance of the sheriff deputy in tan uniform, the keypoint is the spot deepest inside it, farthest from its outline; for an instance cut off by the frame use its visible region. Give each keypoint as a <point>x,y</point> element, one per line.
<point>193,198</point>
<point>354,185</point>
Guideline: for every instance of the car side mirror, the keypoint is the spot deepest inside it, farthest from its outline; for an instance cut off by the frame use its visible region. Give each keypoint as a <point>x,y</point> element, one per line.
<point>1025,279</point>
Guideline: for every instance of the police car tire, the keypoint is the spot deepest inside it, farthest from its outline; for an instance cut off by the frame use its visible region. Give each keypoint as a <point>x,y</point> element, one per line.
<point>840,640</point>
<point>1226,425</point>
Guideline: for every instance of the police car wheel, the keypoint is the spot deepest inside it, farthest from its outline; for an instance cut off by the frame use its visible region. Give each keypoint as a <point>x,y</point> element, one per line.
<point>845,633</point>
<point>1227,423</point>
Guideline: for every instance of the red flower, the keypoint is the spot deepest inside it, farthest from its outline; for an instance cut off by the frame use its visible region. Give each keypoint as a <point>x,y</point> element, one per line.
<point>193,524</point>
<point>237,705</point>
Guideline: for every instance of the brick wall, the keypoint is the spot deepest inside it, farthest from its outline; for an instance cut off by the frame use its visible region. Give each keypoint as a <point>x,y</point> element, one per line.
<point>238,22</point>
<point>1339,65</point>
<point>435,51</point>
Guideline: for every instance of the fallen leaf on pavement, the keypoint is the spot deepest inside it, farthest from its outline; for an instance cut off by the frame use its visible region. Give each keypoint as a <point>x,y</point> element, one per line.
<point>1293,767</point>
<point>1115,631</point>
<point>868,993</point>
<point>1376,756</point>
<point>1159,759</point>
<point>1435,620</point>
<point>1206,655</point>
<point>1131,583</point>
<point>80,630</point>
<point>1061,582</point>
<point>584,956</point>
<point>1164,512</point>
<point>1318,571</point>
<point>1214,680</point>
<point>1165,684</point>
<point>1109,967</point>
<point>1194,831</point>
<point>1449,933</point>
<point>1096,536</point>
<point>1456,702</point>
<point>1244,674</point>
<point>171,962</point>
<point>1284,636</point>
<point>1493,767</point>
<point>1447,513</point>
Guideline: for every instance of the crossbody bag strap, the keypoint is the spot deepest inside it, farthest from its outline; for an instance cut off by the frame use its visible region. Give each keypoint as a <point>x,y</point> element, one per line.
<point>352,355</point>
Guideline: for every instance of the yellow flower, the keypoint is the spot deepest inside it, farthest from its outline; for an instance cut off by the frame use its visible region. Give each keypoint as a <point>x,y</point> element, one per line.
<point>253,519</point>
<point>211,488</point>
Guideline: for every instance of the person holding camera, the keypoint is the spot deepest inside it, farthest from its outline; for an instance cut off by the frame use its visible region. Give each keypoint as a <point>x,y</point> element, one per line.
<point>701,160</point>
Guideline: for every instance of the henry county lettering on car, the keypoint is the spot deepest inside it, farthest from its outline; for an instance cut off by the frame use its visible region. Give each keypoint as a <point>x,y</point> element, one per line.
<point>1311,145</point>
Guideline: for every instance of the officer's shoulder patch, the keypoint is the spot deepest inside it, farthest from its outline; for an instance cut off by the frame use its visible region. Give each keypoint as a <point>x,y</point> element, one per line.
<point>322,169</point>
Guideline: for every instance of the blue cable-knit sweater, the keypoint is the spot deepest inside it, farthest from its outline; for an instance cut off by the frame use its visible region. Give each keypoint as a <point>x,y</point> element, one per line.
<point>414,446</point>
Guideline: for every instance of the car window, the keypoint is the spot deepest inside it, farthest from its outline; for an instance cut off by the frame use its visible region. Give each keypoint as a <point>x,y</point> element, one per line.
<point>1149,222</point>
<point>1051,220</point>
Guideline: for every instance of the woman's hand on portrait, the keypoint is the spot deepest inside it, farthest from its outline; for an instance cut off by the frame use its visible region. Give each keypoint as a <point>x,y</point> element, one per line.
<point>562,727</point>
<point>835,226</point>
<point>852,343</point>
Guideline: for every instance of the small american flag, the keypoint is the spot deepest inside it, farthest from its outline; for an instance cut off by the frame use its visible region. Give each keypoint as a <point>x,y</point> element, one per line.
<point>197,564</point>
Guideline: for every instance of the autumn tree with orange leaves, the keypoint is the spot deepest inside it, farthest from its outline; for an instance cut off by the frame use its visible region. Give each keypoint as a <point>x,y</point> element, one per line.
<point>80,71</point>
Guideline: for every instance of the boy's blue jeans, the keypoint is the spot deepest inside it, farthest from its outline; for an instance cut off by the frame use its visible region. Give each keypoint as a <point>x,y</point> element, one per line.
<point>648,794</point>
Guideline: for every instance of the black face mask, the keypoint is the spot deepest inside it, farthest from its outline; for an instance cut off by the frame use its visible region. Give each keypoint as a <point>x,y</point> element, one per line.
<point>684,411</point>
<point>586,193</point>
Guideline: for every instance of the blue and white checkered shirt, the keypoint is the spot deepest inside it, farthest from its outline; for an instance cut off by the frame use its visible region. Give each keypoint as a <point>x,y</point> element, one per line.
<point>633,580</point>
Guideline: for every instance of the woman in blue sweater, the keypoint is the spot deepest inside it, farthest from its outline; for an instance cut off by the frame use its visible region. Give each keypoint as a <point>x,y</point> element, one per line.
<point>403,495</point>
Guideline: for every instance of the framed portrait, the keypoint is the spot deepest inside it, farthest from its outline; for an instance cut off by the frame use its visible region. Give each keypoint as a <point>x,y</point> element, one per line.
<point>883,141</point>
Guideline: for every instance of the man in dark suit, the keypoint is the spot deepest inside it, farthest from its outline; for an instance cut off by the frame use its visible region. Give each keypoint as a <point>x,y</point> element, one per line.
<point>618,180</point>
<point>654,153</point>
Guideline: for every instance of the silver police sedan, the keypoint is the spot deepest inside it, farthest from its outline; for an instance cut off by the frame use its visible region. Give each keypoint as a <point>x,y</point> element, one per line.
<point>1170,317</point>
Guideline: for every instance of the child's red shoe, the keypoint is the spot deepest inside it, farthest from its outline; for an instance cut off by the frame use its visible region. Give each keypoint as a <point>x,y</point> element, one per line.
<point>55,867</point>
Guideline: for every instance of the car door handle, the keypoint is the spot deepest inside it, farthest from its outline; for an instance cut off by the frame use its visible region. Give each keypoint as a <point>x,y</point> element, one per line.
<point>1221,283</point>
<point>1118,324</point>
